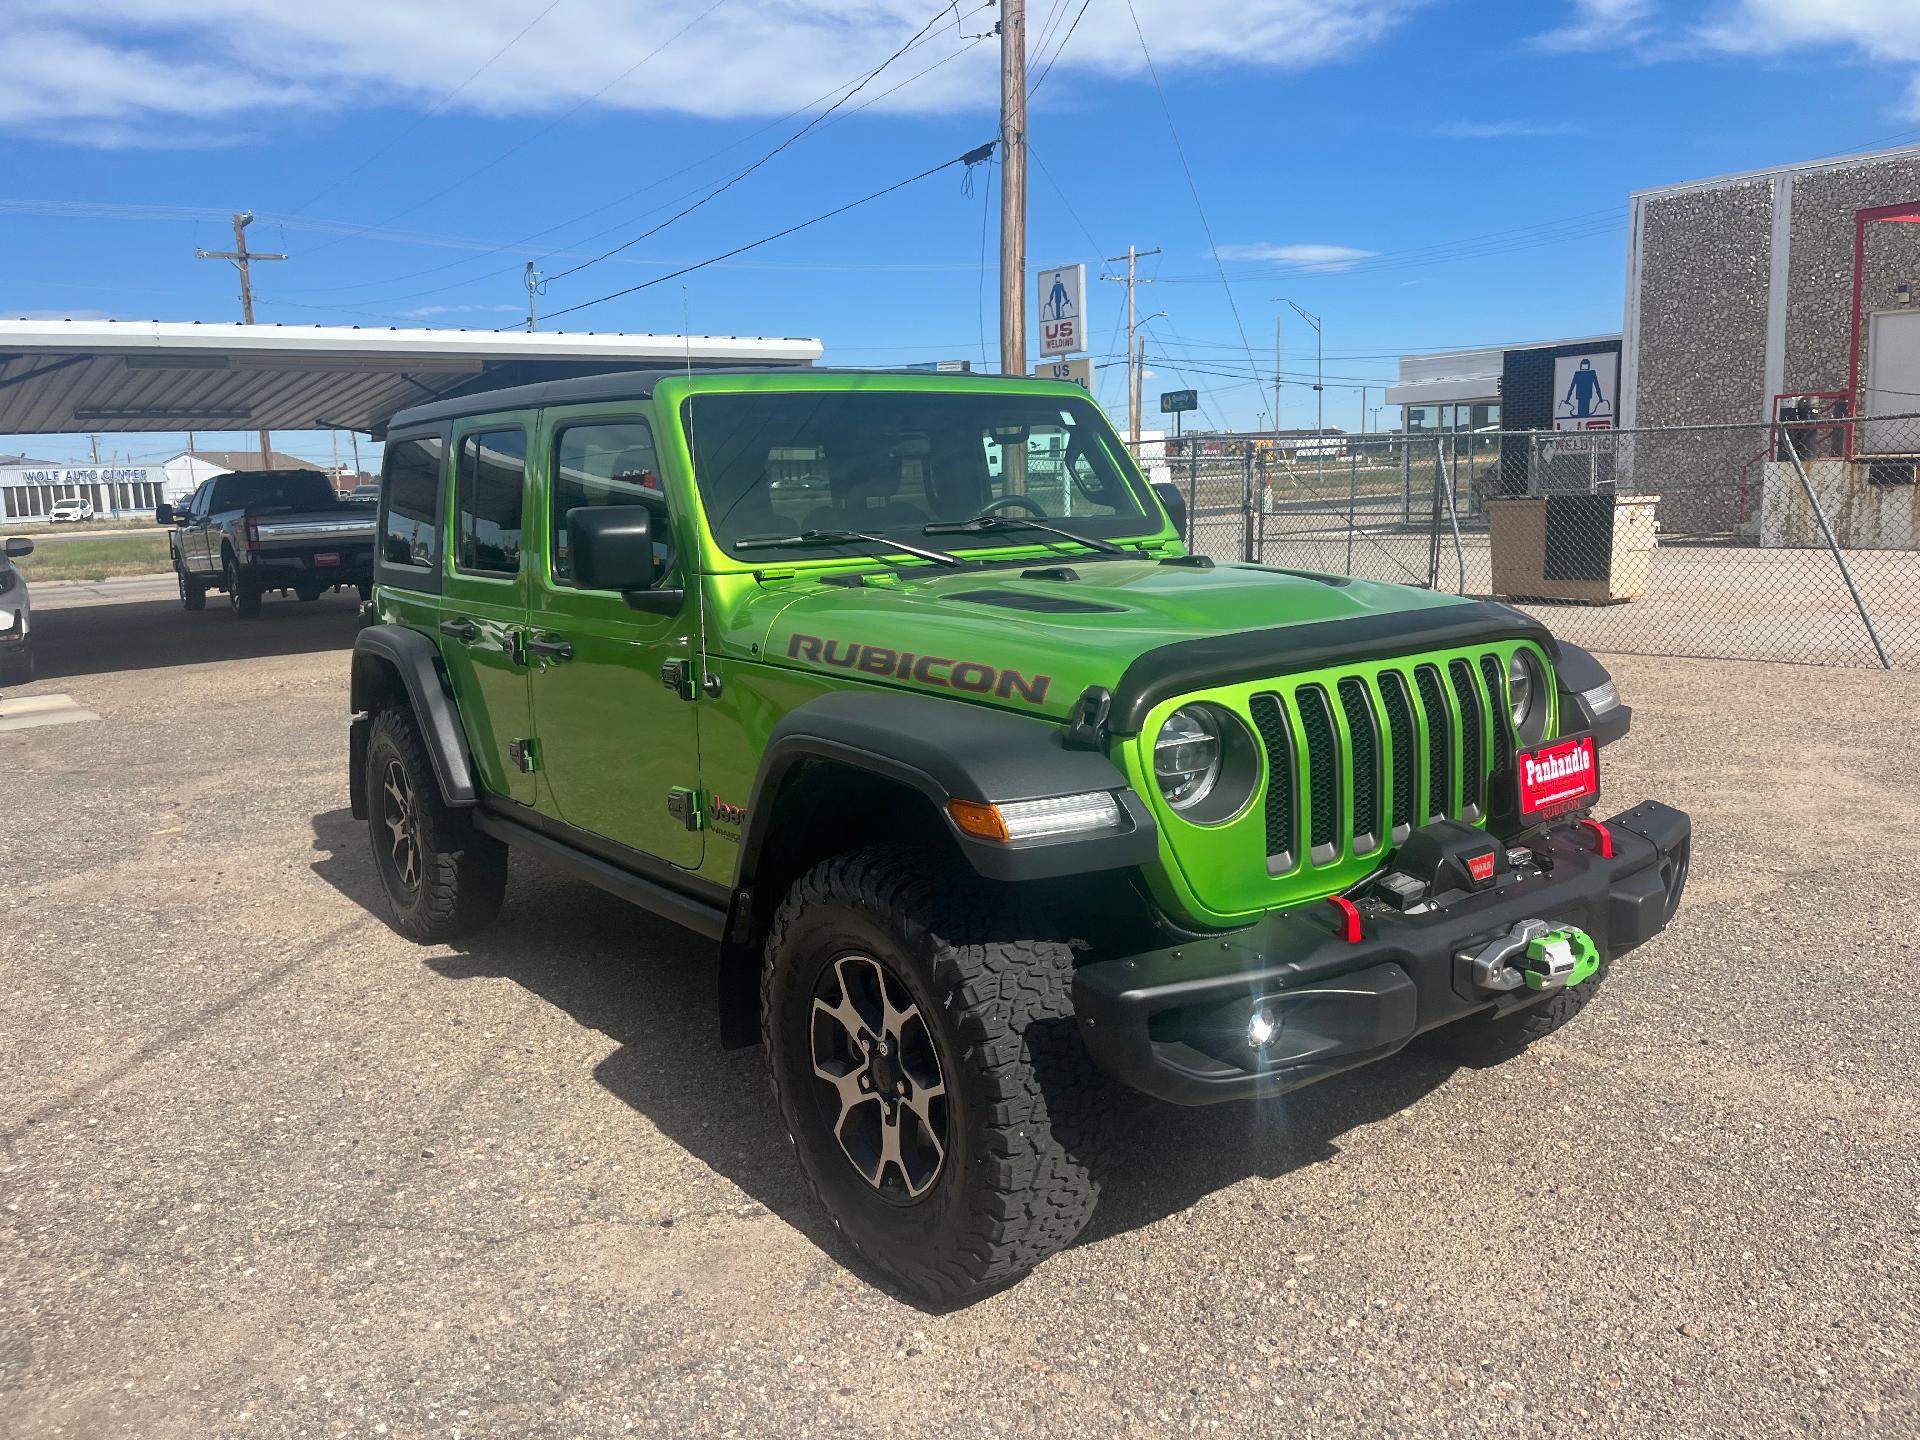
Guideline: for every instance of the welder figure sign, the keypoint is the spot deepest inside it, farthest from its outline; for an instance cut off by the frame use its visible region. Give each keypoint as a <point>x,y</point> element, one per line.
<point>1583,387</point>
<point>1063,305</point>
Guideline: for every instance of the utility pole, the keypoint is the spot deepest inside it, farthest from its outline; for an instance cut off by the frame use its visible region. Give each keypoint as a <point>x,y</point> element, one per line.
<point>1132,256</point>
<point>94,441</point>
<point>1319,391</point>
<point>1276,382</point>
<point>1136,375</point>
<point>243,259</point>
<point>533,289</point>
<point>1013,187</point>
<point>354,436</point>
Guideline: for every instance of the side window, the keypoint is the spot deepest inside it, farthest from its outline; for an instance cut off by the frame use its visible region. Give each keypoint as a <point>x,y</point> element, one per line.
<point>488,490</point>
<point>197,502</point>
<point>412,487</point>
<point>610,463</point>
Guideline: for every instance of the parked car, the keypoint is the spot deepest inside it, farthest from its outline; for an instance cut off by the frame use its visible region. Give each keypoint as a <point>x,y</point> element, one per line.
<point>69,511</point>
<point>249,532</point>
<point>16,614</point>
<point>993,795</point>
<point>365,492</point>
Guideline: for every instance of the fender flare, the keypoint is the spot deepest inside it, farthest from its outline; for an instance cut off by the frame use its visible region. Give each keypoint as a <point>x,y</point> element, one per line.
<point>949,750</point>
<point>415,659</point>
<point>1576,671</point>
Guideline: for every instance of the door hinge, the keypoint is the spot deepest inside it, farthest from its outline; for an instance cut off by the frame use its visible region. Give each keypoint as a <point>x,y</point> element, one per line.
<point>524,754</point>
<point>684,805</point>
<point>677,676</point>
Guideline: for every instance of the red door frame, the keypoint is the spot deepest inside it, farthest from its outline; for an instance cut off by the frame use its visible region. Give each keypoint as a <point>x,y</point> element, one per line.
<point>1905,213</point>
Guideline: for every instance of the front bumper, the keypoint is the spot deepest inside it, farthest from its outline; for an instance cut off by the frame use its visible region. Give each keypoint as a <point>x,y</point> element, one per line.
<point>1172,1022</point>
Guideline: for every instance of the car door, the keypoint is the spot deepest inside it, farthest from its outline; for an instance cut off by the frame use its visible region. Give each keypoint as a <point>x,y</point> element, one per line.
<point>193,535</point>
<point>617,746</point>
<point>483,600</point>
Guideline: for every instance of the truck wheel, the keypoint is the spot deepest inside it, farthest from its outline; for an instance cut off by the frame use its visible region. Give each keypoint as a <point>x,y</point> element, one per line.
<point>443,878</point>
<point>928,1066</point>
<point>193,590</point>
<point>1489,1039</point>
<point>17,669</point>
<point>242,594</point>
<point>308,591</point>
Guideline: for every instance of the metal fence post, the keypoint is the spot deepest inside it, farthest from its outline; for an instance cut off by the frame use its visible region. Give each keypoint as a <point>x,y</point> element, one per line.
<point>1353,481</point>
<point>1246,503</point>
<point>1453,514</point>
<point>1833,544</point>
<point>1193,492</point>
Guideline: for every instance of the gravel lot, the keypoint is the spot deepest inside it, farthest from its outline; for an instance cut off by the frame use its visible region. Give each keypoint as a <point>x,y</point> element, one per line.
<point>267,1169</point>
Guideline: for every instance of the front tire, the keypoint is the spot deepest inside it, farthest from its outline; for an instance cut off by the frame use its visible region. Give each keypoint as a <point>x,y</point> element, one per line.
<point>930,1073</point>
<point>193,590</point>
<point>443,878</point>
<point>17,669</point>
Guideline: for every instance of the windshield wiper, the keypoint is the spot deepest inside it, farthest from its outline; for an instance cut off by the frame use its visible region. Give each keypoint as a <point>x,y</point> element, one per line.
<point>844,537</point>
<point>982,523</point>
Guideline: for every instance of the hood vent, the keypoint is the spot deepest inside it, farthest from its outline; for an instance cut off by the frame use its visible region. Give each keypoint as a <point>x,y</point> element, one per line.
<point>1036,604</point>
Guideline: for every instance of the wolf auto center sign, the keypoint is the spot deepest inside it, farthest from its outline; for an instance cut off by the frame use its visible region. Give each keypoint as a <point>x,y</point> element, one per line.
<point>1062,292</point>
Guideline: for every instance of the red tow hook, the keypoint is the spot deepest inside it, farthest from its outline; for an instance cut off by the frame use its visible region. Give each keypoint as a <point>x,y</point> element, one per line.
<point>1605,847</point>
<point>1350,922</point>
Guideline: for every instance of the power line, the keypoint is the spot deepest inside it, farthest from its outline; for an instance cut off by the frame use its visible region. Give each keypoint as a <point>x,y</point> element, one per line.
<point>786,144</point>
<point>425,115</point>
<point>527,140</point>
<point>1048,68</point>
<point>1181,151</point>
<point>970,159</point>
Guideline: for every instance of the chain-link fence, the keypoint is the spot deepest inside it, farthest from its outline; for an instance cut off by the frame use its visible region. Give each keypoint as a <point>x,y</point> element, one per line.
<point>1796,542</point>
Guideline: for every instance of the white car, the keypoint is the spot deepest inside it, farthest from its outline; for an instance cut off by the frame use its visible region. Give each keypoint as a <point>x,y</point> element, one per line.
<point>70,510</point>
<point>16,615</point>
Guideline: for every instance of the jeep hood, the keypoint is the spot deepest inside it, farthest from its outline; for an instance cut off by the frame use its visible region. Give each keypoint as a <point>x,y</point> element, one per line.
<point>1034,638</point>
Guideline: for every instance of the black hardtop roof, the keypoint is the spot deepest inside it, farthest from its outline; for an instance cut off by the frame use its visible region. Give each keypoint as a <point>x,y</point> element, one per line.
<point>636,385</point>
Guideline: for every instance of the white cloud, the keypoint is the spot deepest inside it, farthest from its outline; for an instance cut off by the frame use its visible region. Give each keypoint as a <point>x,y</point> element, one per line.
<point>102,72</point>
<point>1598,25</point>
<point>1501,130</point>
<point>1881,31</point>
<point>1310,259</point>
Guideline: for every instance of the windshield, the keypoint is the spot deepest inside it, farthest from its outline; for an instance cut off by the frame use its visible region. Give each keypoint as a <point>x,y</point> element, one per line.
<point>894,462</point>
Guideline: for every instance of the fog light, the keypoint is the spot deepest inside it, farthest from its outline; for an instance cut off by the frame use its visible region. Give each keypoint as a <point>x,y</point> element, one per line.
<point>1261,1029</point>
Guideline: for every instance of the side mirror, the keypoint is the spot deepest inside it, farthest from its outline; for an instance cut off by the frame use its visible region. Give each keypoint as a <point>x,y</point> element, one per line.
<point>18,547</point>
<point>1175,503</point>
<point>163,514</point>
<point>612,547</point>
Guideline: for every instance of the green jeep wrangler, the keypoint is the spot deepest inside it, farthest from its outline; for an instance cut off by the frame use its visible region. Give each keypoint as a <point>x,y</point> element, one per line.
<point>904,690</point>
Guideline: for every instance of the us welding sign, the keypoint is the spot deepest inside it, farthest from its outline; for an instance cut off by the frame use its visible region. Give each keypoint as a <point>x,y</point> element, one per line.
<point>1557,777</point>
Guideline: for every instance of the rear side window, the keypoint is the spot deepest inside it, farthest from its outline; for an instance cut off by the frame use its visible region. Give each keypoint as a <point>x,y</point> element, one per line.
<point>607,464</point>
<point>488,491</point>
<point>412,488</point>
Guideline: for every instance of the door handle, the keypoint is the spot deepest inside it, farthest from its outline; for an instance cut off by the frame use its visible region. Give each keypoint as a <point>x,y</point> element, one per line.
<point>548,649</point>
<point>465,631</point>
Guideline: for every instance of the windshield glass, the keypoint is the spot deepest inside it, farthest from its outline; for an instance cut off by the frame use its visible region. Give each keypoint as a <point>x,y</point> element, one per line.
<point>894,462</point>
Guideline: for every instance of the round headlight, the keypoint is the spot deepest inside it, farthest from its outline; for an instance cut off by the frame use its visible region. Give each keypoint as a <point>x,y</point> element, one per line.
<point>1527,692</point>
<point>1186,757</point>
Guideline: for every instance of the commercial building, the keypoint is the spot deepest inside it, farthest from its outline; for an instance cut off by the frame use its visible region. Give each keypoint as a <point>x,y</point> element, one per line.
<point>1508,387</point>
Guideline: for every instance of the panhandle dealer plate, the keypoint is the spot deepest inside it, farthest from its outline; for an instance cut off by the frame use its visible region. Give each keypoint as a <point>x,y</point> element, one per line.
<point>1558,777</point>
<point>328,559</point>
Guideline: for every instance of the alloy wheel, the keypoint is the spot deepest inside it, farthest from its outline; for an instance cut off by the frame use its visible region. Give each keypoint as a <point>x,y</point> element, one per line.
<point>881,1089</point>
<point>401,815</point>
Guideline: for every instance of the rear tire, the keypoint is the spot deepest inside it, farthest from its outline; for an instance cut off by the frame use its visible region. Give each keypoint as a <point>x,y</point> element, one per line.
<point>901,998</point>
<point>309,592</point>
<point>443,878</point>
<point>242,594</point>
<point>193,590</point>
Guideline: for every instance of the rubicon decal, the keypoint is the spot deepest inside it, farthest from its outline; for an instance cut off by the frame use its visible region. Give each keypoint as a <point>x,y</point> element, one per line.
<point>1556,777</point>
<point>972,676</point>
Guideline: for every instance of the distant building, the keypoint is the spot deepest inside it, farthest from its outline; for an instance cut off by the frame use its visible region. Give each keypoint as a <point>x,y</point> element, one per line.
<point>1506,387</point>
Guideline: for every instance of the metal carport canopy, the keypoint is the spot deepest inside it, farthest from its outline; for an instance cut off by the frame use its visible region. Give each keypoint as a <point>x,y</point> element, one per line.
<point>71,376</point>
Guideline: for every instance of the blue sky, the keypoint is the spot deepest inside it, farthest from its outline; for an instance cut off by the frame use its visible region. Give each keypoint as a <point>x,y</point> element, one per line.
<point>1421,175</point>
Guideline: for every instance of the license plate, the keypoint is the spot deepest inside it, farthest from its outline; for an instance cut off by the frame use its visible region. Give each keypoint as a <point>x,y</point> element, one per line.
<point>322,560</point>
<point>1557,777</point>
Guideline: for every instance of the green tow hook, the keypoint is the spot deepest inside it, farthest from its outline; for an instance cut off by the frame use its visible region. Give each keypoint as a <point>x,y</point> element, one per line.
<point>1560,959</point>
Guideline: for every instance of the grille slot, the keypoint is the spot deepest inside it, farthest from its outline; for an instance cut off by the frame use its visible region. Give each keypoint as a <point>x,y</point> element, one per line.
<point>1356,702</point>
<point>1283,824</point>
<point>1402,734</point>
<point>1494,672</point>
<point>1439,727</point>
<point>1323,774</point>
<point>1473,770</point>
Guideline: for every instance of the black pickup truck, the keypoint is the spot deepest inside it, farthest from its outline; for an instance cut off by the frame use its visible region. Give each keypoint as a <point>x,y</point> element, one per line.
<point>250,531</point>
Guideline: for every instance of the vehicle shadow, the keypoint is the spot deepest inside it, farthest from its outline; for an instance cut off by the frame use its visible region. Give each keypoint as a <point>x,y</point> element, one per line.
<point>648,985</point>
<point>99,638</point>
